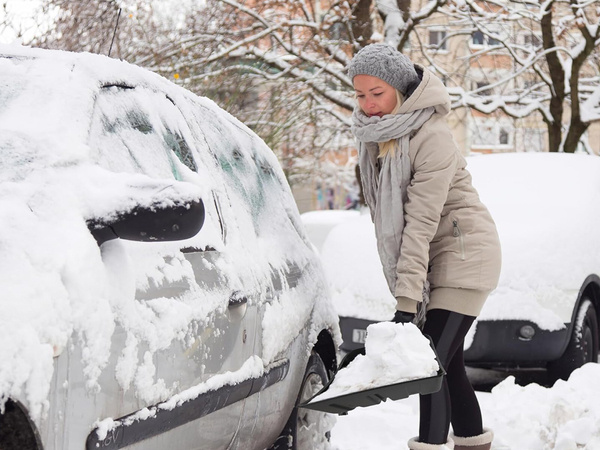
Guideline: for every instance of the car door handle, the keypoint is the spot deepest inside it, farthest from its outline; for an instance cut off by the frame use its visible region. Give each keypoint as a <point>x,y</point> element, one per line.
<point>236,299</point>
<point>238,305</point>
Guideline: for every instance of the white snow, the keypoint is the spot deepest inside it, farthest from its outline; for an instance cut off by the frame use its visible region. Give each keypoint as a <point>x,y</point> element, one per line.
<point>320,223</point>
<point>55,287</point>
<point>546,207</point>
<point>59,289</point>
<point>532,417</point>
<point>346,241</point>
<point>393,353</point>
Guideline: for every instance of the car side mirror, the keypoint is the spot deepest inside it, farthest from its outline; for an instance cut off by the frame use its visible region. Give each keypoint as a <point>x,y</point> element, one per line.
<point>151,224</point>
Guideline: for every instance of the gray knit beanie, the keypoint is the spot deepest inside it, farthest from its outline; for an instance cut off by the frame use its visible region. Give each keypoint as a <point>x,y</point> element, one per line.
<point>387,64</point>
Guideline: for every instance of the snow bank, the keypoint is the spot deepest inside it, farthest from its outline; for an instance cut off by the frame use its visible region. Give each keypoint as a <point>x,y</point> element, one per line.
<point>563,417</point>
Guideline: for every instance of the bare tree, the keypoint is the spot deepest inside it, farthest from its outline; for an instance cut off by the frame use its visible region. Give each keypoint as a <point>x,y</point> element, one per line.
<point>554,53</point>
<point>293,54</point>
<point>124,29</point>
<point>548,52</point>
<point>279,65</point>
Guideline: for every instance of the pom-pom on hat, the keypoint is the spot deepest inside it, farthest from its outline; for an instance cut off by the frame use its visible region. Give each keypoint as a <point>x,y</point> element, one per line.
<point>387,64</point>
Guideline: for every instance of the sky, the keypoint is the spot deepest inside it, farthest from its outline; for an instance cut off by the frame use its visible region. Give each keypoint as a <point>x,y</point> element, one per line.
<point>87,298</point>
<point>20,14</point>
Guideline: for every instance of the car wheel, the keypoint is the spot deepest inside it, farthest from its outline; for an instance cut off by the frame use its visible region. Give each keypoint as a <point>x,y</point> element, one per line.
<point>307,429</point>
<point>583,345</point>
<point>17,432</point>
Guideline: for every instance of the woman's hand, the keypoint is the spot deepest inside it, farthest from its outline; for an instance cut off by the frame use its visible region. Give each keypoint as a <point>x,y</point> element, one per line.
<point>403,317</point>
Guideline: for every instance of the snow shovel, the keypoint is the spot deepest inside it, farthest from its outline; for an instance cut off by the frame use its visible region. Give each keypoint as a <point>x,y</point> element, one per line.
<point>373,396</point>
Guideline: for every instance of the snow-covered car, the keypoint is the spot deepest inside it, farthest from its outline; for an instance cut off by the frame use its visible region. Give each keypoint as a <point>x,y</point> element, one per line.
<point>544,313</point>
<point>157,288</point>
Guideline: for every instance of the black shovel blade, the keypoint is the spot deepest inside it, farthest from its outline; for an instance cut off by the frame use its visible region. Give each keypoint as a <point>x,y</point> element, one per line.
<point>370,397</point>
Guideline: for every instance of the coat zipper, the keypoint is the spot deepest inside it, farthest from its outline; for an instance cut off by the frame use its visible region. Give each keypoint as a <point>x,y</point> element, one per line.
<point>458,234</point>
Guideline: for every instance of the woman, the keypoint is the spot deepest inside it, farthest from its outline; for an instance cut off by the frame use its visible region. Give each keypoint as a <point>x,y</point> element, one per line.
<point>437,242</point>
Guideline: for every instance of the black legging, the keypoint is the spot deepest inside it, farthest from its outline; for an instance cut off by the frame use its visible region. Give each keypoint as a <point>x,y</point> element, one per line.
<point>456,401</point>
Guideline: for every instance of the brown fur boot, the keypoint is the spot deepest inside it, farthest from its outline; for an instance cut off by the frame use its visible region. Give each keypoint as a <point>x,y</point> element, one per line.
<point>481,442</point>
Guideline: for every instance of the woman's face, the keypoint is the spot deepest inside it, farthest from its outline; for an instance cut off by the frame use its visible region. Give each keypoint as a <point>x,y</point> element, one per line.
<point>375,96</point>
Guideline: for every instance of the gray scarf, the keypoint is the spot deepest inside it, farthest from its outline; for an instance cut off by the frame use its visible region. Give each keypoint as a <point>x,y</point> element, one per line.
<point>381,178</point>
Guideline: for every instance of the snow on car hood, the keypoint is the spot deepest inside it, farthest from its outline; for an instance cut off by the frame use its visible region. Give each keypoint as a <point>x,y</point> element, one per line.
<point>353,269</point>
<point>546,207</point>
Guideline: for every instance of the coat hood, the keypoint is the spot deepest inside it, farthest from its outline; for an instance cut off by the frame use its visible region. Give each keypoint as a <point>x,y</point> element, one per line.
<point>429,92</point>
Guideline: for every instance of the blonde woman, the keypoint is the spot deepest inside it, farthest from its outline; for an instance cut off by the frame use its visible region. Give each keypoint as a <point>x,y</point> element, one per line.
<point>437,242</point>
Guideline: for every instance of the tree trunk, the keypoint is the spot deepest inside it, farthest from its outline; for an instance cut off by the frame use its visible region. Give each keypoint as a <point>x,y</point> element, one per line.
<point>577,128</point>
<point>557,74</point>
<point>362,28</point>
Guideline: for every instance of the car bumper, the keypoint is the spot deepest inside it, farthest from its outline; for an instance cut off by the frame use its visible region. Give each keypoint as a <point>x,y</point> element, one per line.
<point>496,344</point>
<point>353,332</point>
<point>501,343</point>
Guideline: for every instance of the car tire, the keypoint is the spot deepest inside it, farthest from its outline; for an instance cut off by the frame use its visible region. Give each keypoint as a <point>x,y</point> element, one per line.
<point>307,429</point>
<point>583,344</point>
<point>17,432</point>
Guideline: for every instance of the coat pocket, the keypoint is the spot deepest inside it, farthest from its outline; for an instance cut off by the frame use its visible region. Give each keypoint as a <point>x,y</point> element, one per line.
<point>458,235</point>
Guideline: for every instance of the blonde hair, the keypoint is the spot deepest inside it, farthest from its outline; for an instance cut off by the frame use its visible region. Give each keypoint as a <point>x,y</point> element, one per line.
<point>388,147</point>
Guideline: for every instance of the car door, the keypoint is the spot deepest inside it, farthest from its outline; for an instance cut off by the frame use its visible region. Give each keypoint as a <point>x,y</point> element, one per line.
<point>273,253</point>
<point>180,354</point>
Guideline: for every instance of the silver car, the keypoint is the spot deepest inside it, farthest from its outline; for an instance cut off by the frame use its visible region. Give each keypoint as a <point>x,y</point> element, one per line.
<point>163,294</point>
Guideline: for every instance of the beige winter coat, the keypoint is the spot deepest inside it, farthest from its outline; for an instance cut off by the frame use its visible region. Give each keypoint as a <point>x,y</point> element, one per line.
<point>449,237</point>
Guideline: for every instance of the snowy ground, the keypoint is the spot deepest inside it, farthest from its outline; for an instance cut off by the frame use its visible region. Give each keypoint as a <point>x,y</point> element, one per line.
<point>563,417</point>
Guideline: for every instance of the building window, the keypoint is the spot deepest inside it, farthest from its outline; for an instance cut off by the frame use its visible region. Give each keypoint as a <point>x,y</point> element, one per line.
<point>491,134</point>
<point>477,38</point>
<point>493,41</point>
<point>531,40</point>
<point>482,85</point>
<point>337,31</point>
<point>437,39</point>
